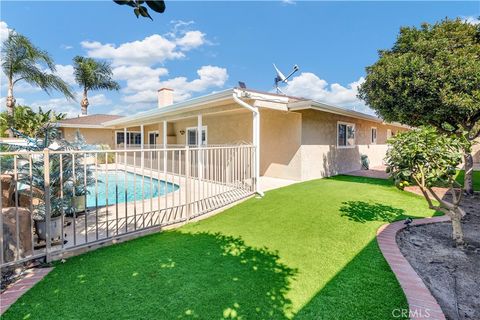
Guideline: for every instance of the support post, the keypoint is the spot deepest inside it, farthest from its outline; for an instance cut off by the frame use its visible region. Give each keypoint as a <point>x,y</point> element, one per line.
<point>142,143</point>
<point>200,146</point>
<point>125,139</point>
<point>46,177</point>
<point>187,182</point>
<point>165,136</point>
<point>256,143</point>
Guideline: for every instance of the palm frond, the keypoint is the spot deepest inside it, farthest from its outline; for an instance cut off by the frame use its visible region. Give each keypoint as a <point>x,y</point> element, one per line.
<point>21,60</point>
<point>94,74</point>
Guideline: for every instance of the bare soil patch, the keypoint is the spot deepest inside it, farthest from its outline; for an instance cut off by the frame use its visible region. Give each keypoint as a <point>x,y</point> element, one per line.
<point>451,274</point>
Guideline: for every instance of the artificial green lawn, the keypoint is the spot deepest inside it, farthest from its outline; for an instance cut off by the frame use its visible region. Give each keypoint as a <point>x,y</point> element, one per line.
<point>476,179</point>
<point>307,251</point>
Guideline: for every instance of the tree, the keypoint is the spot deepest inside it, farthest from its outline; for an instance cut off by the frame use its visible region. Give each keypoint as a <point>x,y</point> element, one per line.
<point>431,76</point>
<point>139,10</point>
<point>429,158</point>
<point>22,61</point>
<point>92,74</point>
<point>29,122</point>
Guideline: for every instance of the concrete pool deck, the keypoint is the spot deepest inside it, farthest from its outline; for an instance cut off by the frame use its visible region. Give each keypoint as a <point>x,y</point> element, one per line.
<point>107,223</point>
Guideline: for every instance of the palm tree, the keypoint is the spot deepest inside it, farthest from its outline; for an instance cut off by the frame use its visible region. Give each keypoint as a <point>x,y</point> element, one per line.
<point>21,60</point>
<point>92,74</point>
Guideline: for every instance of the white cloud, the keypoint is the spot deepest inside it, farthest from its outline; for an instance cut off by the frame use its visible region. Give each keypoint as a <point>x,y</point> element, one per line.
<point>66,73</point>
<point>208,77</point>
<point>151,50</point>
<point>4,30</point>
<point>179,26</point>
<point>138,67</point>
<point>191,40</point>
<point>310,86</point>
<point>72,108</point>
<point>139,77</point>
<point>471,20</point>
<point>288,2</point>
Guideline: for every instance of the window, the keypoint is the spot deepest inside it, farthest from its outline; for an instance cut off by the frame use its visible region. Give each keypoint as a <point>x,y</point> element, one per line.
<point>345,135</point>
<point>152,138</point>
<point>373,137</point>
<point>120,138</point>
<point>132,138</point>
<point>192,136</point>
<point>389,133</point>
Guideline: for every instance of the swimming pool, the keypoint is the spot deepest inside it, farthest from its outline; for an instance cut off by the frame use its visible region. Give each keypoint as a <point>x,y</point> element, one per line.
<point>133,185</point>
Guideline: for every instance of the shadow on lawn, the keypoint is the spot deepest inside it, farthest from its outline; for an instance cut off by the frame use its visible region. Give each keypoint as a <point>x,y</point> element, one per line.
<point>365,289</point>
<point>172,275</point>
<point>361,211</point>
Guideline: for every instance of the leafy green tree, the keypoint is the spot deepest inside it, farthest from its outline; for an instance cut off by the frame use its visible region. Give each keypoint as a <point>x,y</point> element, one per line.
<point>429,158</point>
<point>92,74</point>
<point>431,76</point>
<point>22,61</point>
<point>140,10</point>
<point>29,122</point>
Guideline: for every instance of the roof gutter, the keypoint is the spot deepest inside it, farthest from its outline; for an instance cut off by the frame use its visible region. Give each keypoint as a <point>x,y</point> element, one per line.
<point>315,105</point>
<point>256,136</point>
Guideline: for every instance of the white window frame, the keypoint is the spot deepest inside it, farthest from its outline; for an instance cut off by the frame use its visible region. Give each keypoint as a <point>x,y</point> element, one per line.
<point>371,135</point>
<point>125,138</point>
<point>204,128</point>
<point>346,131</point>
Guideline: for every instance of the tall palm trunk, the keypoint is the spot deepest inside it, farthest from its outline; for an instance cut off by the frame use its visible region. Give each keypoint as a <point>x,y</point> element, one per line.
<point>10,104</point>
<point>84,102</point>
<point>468,166</point>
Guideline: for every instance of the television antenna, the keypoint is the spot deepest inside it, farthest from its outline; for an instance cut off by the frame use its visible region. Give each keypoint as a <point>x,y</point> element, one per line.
<point>281,78</point>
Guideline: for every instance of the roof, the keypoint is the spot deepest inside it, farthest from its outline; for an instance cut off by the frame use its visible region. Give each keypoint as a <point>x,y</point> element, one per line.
<point>288,103</point>
<point>272,94</point>
<point>90,121</point>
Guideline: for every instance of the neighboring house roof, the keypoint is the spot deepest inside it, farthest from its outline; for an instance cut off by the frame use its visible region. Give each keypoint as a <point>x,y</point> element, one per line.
<point>282,102</point>
<point>90,121</point>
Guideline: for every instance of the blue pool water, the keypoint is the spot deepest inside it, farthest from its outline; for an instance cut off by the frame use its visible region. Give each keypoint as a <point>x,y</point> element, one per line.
<point>134,188</point>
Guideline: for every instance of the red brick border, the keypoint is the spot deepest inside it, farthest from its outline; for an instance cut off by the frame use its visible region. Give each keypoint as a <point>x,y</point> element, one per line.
<point>422,305</point>
<point>15,291</point>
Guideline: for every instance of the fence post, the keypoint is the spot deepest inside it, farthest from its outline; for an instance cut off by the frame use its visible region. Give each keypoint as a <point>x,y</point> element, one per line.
<point>187,181</point>
<point>46,172</point>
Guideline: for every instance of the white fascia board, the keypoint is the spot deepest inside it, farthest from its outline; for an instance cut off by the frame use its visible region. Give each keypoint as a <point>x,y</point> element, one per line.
<point>315,105</point>
<point>81,126</point>
<point>176,107</point>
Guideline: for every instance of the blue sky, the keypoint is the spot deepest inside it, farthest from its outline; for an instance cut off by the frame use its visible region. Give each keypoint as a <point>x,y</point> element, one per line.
<point>201,47</point>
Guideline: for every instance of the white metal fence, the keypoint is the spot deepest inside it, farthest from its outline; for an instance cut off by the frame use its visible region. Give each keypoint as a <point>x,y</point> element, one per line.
<point>57,201</point>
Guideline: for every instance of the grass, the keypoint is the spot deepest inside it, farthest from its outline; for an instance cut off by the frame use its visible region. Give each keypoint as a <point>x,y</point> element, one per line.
<point>476,179</point>
<point>307,251</point>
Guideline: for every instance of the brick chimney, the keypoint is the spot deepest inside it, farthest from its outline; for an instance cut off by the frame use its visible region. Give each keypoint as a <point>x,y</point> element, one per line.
<point>165,97</point>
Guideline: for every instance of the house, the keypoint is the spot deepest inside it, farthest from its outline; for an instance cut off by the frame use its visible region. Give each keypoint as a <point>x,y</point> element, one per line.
<point>298,139</point>
<point>90,127</point>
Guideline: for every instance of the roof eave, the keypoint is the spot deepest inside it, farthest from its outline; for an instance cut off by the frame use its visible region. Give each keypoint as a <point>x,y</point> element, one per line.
<point>185,105</point>
<point>81,126</point>
<point>316,105</point>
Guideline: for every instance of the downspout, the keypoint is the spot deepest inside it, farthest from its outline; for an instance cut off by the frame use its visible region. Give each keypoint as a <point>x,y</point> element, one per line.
<point>256,137</point>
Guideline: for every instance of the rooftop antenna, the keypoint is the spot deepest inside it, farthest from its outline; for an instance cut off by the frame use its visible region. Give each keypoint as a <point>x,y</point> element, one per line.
<point>281,77</point>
